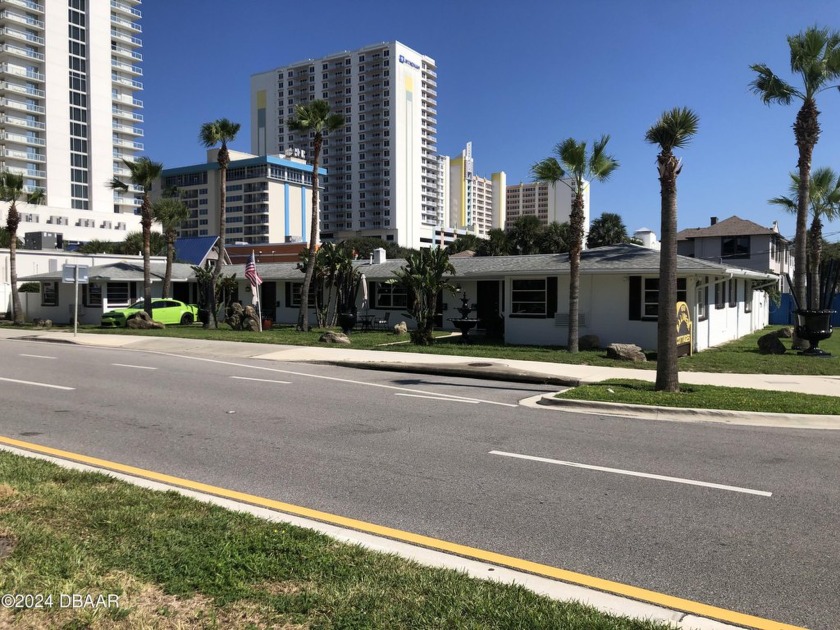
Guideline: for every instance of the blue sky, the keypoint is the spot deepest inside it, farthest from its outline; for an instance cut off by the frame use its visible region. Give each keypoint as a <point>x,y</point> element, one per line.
<point>515,78</point>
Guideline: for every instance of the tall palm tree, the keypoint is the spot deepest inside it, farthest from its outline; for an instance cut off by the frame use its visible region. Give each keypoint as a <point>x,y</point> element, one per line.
<point>219,131</point>
<point>571,166</point>
<point>315,118</point>
<point>524,235</point>
<point>823,202</point>
<point>143,173</point>
<point>673,130</point>
<point>608,229</point>
<point>170,212</point>
<point>815,57</point>
<point>495,245</point>
<point>11,191</point>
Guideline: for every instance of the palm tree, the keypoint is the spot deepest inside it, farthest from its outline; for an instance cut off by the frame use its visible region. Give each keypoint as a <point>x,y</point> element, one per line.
<point>823,202</point>
<point>524,235</point>
<point>170,212</point>
<point>425,275</point>
<point>315,118</point>
<point>815,57</point>
<point>571,166</point>
<point>132,244</point>
<point>673,130</point>
<point>219,131</point>
<point>144,172</point>
<point>495,245</point>
<point>555,238</point>
<point>11,190</point>
<point>608,229</point>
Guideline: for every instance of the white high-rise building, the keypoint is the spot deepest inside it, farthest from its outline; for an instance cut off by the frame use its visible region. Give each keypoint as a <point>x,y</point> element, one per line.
<point>548,202</point>
<point>383,175</point>
<point>69,112</point>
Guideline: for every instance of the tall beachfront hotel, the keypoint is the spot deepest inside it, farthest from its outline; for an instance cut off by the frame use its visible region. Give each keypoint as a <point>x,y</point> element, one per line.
<point>70,113</point>
<point>383,173</point>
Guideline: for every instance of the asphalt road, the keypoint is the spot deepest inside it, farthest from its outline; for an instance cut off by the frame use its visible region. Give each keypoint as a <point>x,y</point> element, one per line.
<point>452,458</point>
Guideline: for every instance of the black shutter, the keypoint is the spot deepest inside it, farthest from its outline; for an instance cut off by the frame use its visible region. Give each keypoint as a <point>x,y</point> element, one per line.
<point>372,286</point>
<point>288,286</point>
<point>635,298</point>
<point>550,297</point>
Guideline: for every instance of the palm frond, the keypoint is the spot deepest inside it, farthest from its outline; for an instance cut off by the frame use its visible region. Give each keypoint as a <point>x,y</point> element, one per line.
<point>674,129</point>
<point>601,165</point>
<point>548,170</point>
<point>770,88</point>
<point>785,202</point>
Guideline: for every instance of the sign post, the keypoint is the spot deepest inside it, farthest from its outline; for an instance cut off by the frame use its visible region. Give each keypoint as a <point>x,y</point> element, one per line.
<point>77,274</point>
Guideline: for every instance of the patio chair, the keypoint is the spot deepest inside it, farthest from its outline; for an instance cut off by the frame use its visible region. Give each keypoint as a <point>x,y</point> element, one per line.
<point>380,322</point>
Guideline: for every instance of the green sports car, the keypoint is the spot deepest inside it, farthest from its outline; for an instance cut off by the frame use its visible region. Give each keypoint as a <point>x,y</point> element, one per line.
<point>165,311</point>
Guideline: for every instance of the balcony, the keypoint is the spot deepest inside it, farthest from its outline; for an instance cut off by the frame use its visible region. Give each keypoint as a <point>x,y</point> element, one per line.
<point>128,144</point>
<point>26,107</point>
<point>7,87</point>
<point>14,121</point>
<point>10,17</point>
<point>126,52</point>
<point>126,99</point>
<point>29,5</point>
<point>127,9</point>
<point>22,36</point>
<point>122,113</point>
<point>21,52</point>
<point>120,128</point>
<point>126,67</point>
<point>18,138</point>
<point>125,37</point>
<point>11,70</point>
<point>127,24</point>
<point>120,80</point>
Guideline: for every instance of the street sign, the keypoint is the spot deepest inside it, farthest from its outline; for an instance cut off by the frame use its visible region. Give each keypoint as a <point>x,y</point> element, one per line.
<point>69,274</point>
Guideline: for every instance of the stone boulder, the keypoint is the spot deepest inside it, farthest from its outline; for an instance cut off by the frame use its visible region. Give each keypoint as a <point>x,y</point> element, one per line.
<point>626,352</point>
<point>43,323</point>
<point>770,344</point>
<point>401,328</point>
<point>334,337</point>
<point>785,333</point>
<point>141,321</point>
<point>240,317</point>
<point>589,342</point>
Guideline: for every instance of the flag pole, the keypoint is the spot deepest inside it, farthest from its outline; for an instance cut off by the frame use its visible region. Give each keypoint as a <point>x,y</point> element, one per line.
<point>259,305</point>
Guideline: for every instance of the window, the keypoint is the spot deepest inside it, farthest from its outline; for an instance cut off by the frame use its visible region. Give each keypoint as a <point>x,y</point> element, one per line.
<point>719,297</point>
<point>644,297</point>
<point>528,298</point>
<point>92,294</point>
<point>293,290</point>
<point>735,247</point>
<point>748,296</point>
<point>703,301</point>
<point>49,294</point>
<point>390,295</point>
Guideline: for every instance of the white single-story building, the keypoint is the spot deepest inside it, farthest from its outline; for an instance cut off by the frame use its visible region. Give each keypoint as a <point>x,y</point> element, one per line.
<point>618,295</point>
<point>526,297</point>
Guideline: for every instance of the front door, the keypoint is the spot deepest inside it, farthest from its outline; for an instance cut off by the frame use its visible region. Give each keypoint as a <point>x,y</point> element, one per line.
<point>269,299</point>
<point>489,307</point>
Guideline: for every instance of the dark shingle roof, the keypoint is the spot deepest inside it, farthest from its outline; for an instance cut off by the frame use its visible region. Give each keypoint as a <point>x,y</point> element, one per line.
<point>123,271</point>
<point>733,226</point>
<point>612,259</point>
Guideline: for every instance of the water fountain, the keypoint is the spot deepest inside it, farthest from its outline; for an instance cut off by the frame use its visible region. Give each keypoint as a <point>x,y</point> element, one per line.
<point>465,323</point>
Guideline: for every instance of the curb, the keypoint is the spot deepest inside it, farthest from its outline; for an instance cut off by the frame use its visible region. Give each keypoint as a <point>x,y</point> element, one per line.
<point>478,369</point>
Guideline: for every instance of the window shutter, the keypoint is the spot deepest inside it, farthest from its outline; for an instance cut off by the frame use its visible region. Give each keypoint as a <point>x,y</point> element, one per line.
<point>550,297</point>
<point>288,286</point>
<point>372,287</point>
<point>635,298</point>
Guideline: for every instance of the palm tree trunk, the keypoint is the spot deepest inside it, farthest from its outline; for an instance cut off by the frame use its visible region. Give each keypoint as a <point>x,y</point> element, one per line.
<point>146,223</point>
<point>667,374</point>
<point>170,258</point>
<point>12,222</point>
<point>807,131</point>
<point>576,218</point>
<point>314,235</point>
<point>814,255</point>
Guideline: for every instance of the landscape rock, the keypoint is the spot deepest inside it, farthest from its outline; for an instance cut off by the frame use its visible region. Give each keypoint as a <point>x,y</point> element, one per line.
<point>334,337</point>
<point>626,352</point>
<point>240,317</point>
<point>770,344</point>
<point>141,321</point>
<point>42,323</point>
<point>401,328</point>
<point>785,333</point>
<point>589,342</point>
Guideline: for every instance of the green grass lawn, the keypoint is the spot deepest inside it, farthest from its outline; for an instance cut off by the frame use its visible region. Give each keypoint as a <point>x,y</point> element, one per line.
<point>176,562</point>
<point>740,356</point>
<point>704,397</point>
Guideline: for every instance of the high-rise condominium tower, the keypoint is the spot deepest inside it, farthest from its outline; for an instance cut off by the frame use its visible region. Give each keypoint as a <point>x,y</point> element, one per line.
<point>383,177</point>
<point>69,112</point>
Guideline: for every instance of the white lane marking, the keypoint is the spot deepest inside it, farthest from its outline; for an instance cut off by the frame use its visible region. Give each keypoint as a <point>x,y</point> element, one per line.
<point>326,378</point>
<point>261,380</point>
<point>13,380</point>
<point>137,367</point>
<point>463,400</point>
<point>632,473</point>
<point>36,356</point>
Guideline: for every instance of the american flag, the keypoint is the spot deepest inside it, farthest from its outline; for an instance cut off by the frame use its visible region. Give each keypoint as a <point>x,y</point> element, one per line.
<point>251,272</point>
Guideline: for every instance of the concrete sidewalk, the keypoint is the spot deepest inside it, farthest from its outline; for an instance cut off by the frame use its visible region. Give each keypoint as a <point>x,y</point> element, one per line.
<point>540,372</point>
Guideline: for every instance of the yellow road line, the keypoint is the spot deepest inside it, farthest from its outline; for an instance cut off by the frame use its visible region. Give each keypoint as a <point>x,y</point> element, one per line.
<point>616,588</point>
